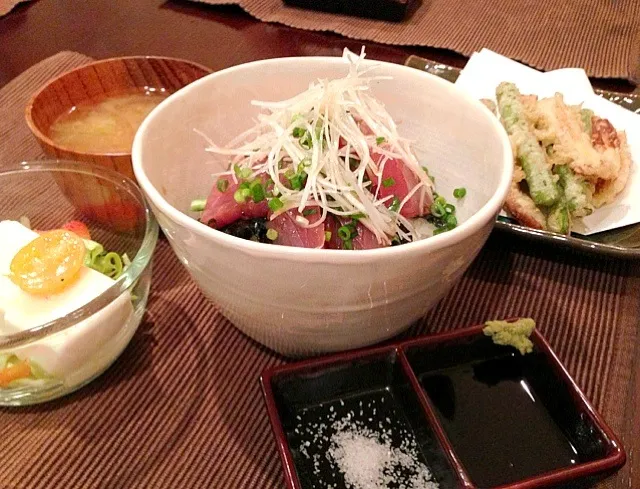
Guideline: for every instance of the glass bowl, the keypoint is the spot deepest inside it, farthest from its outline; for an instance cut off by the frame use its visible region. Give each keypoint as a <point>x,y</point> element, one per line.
<point>72,350</point>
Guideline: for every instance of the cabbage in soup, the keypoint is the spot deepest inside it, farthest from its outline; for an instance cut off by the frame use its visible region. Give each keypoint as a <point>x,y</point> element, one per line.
<point>107,126</point>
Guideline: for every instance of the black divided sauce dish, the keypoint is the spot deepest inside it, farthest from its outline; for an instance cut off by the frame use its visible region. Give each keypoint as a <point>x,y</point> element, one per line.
<point>451,410</point>
<point>369,395</point>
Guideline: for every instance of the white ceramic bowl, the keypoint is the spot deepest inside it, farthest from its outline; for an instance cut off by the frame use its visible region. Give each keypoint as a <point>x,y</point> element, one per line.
<point>306,301</point>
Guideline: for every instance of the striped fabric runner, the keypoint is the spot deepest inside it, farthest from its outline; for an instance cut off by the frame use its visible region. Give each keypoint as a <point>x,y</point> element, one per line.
<point>182,408</point>
<point>601,37</point>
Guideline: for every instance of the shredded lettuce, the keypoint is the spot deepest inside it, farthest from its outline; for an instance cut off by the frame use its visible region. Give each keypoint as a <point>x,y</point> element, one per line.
<point>38,374</point>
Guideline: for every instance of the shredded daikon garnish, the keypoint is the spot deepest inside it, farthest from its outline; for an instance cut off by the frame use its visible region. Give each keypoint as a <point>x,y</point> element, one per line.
<point>316,149</point>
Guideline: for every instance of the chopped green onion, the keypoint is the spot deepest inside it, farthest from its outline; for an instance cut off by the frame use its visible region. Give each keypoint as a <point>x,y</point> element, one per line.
<point>223,184</point>
<point>380,140</point>
<point>257,191</point>
<point>358,216</point>
<point>344,233</point>
<point>108,263</point>
<point>111,265</point>
<point>244,193</point>
<point>302,165</point>
<point>327,235</point>
<point>241,195</point>
<point>442,215</point>
<point>297,181</point>
<point>305,140</point>
<point>275,204</point>
<point>308,212</point>
<point>438,210</point>
<point>272,234</point>
<point>438,222</point>
<point>388,182</point>
<point>242,173</point>
<point>347,245</point>
<point>460,192</point>
<point>298,132</point>
<point>37,372</point>
<point>93,251</point>
<point>198,205</point>
<point>395,205</point>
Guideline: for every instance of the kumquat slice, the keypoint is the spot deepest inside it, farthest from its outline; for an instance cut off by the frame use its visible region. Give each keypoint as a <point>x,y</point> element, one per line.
<point>49,263</point>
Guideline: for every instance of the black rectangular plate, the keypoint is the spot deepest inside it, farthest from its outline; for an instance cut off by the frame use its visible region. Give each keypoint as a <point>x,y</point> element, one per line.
<point>391,10</point>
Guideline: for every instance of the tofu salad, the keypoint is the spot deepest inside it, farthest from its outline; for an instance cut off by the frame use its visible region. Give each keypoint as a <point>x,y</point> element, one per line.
<point>45,275</point>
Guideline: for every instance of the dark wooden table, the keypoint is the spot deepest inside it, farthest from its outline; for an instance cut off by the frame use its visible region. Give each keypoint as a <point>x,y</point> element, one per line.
<point>217,37</point>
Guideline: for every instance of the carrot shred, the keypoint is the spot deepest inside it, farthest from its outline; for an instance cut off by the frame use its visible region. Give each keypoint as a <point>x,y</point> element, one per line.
<point>18,371</point>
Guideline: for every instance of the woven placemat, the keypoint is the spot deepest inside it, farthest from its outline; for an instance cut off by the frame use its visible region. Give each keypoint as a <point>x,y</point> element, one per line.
<point>16,141</point>
<point>181,408</point>
<point>601,37</point>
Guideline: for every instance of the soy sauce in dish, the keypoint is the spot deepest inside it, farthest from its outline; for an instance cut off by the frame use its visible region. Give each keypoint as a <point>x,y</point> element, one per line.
<point>104,126</point>
<point>497,424</point>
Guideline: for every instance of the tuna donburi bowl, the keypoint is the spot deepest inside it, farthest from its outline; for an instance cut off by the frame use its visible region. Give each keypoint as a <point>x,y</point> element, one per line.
<point>372,187</point>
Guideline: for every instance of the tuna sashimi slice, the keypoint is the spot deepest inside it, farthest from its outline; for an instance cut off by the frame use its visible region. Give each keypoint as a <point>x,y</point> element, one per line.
<point>291,233</point>
<point>398,180</point>
<point>365,240</point>
<point>222,209</point>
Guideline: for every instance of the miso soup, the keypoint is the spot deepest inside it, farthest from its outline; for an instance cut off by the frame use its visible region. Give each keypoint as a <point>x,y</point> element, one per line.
<point>107,126</point>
